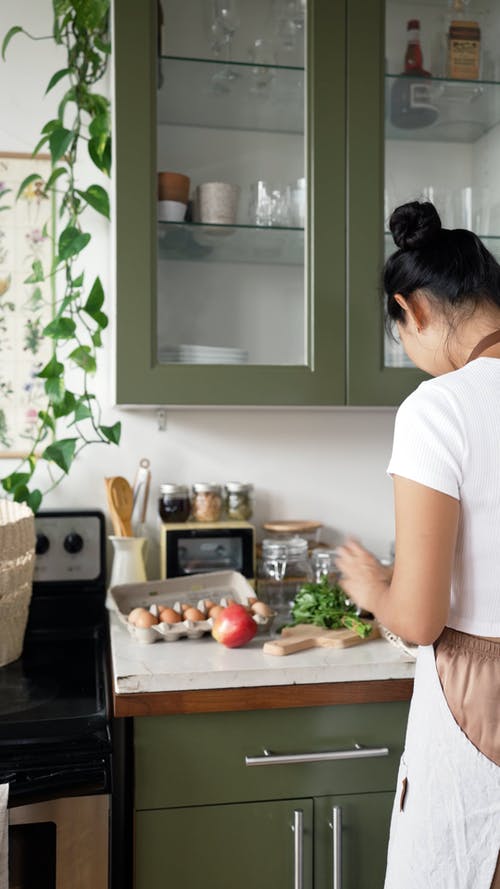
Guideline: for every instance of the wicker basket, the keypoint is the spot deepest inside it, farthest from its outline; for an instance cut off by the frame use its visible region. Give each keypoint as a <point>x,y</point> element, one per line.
<point>17,560</point>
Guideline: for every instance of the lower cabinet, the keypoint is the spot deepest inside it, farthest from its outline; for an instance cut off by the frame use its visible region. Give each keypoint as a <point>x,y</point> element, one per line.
<point>326,843</point>
<point>210,813</point>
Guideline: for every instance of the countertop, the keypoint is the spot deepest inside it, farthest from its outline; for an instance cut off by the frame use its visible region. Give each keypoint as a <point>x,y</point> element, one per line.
<point>200,675</point>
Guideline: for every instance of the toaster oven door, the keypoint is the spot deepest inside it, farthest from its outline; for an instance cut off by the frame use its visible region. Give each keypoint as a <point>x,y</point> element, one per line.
<point>198,550</point>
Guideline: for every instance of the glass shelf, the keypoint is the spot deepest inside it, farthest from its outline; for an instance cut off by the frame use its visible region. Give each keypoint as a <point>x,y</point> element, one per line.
<point>236,96</point>
<point>268,245</point>
<point>466,110</point>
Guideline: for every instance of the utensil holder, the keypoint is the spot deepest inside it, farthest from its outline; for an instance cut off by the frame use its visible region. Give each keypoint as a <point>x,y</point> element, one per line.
<point>128,560</point>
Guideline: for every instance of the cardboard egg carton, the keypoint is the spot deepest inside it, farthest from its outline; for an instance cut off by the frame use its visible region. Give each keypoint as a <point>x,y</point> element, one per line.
<point>219,586</point>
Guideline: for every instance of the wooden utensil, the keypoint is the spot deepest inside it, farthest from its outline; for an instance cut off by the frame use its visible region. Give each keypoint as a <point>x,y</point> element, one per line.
<point>304,636</point>
<point>121,502</point>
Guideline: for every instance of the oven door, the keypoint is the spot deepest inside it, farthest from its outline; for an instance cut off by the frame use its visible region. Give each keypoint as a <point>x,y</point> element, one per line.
<point>60,844</point>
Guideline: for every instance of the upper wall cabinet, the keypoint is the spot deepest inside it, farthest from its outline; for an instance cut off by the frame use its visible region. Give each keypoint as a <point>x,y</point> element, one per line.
<point>230,201</point>
<point>260,146</point>
<point>423,126</point>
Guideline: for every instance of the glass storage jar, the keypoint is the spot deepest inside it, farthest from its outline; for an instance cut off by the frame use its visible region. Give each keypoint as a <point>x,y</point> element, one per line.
<point>206,504</point>
<point>174,504</point>
<point>284,530</point>
<point>323,563</point>
<point>284,567</point>
<point>238,501</point>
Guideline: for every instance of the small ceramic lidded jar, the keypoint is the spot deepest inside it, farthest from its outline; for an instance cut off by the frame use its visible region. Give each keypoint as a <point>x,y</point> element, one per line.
<point>206,504</point>
<point>174,504</point>
<point>238,500</point>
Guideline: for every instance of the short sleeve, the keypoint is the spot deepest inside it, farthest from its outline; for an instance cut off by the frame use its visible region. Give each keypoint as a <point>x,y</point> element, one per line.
<point>428,441</point>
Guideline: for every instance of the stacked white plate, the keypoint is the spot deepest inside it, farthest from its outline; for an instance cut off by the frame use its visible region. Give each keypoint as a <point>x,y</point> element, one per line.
<point>192,354</point>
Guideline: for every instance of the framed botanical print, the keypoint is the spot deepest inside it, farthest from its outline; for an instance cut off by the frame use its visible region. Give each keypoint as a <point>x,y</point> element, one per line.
<point>26,302</point>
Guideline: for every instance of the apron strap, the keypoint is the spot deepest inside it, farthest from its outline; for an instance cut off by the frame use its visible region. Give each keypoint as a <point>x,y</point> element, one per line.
<point>484,344</point>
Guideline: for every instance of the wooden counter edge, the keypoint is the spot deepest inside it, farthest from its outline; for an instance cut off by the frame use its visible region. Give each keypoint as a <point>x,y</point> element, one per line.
<point>273,697</point>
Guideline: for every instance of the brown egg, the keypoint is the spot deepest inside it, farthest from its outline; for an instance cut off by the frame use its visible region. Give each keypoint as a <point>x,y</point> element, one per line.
<point>251,600</point>
<point>185,606</point>
<point>170,616</point>
<point>262,608</point>
<point>135,613</point>
<point>146,620</point>
<point>215,611</point>
<point>193,614</point>
<point>208,603</point>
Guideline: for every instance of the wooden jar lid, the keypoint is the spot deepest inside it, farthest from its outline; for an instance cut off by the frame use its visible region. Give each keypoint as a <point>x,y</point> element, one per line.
<point>297,527</point>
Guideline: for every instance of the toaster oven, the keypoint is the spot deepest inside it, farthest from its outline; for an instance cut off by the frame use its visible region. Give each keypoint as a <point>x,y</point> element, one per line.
<point>189,548</point>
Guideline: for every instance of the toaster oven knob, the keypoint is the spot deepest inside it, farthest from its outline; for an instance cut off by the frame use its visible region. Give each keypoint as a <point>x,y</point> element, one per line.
<point>73,543</point>
<point>42,544</point>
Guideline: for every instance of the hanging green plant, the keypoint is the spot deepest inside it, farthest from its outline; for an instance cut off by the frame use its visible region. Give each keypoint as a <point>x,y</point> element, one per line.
<point>78,319</point>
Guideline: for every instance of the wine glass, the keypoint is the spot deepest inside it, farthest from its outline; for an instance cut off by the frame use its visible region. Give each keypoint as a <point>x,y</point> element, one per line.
<point>225,23</point>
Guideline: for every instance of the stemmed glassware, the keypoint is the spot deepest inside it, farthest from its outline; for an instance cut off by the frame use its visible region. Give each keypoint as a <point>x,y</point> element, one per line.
<point>224,23</point>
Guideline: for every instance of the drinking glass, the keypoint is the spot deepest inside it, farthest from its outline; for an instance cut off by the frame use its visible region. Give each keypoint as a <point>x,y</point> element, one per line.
<point>225,23</point>
<point>261,54</point>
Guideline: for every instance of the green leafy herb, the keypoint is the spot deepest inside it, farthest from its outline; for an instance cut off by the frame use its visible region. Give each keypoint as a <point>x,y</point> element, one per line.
<point>325,605</point>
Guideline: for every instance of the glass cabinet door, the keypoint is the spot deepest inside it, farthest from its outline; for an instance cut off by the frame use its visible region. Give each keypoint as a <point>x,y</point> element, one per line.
<point>434,122</point>
<point>241,231</point>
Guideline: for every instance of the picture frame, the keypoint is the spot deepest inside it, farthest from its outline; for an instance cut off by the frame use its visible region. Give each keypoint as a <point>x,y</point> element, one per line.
<point>27,234</point>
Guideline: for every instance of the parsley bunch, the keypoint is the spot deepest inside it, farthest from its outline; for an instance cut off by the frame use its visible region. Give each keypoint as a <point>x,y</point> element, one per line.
<point>326,606</point>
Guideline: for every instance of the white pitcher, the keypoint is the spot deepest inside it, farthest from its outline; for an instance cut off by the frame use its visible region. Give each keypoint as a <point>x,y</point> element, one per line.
<point>128,560</point>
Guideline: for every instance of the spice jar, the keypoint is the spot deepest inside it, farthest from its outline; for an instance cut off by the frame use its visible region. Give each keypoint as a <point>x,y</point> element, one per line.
<point>207,502</point>
<point>174,504</point>
<point>238,501</point>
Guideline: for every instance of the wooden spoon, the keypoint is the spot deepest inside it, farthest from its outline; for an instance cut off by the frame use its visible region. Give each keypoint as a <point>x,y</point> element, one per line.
<point>117,528</point>
<point>121,500</point>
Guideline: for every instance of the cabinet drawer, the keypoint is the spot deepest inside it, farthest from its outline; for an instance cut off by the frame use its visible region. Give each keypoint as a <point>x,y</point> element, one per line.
<point>200,758</point>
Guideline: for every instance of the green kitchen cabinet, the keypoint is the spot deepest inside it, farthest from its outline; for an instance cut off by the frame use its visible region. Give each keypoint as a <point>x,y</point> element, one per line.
<point>212,806</point>
<point>284,310</point>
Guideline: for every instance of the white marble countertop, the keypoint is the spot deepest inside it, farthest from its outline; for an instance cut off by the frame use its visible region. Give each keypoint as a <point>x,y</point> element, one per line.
<point>195,664</point>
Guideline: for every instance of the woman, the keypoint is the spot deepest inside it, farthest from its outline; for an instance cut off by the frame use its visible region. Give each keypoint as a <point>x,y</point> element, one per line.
<point>443,294</point>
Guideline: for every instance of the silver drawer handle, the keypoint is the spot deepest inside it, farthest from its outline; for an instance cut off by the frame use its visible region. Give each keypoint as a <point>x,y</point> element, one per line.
<point>282,759</point>
<point>298,848</point>
<point>336,825</point>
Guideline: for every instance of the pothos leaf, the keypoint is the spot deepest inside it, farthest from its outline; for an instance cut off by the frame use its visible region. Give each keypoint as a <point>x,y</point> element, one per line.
<point>61,453</point>
<point>14,480</point>
<point>60,328</point>
<point>83,357</point>
<point>96,197</point>
<point>71,242</point>
<point>65,406</point>
<point>52,369</point>
<point>56,78</point>
<point>112,433</point>
<point>16,29</point>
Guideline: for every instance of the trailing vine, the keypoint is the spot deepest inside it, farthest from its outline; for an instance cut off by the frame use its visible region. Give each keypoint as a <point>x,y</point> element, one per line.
<point>78,319</point>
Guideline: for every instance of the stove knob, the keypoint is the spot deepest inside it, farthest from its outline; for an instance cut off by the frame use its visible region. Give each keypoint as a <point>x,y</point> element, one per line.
<point>42,544</point>
<point>73,543</point>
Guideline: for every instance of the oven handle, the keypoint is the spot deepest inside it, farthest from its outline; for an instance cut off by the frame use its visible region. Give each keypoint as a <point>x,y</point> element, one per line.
<point>54,783</point>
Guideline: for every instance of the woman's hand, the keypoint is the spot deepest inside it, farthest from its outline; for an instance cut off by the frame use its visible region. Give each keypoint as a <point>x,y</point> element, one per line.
<point>363,578</point>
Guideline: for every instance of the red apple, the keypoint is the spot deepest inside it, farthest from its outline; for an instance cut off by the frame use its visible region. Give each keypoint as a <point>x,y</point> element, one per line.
<point>234,626</point>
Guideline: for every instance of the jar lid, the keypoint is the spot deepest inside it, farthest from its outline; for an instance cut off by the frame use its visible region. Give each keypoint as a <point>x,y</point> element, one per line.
<point>206,487</point>
<point>274,548</point>
<point>295,527</point>
<point>173,488</point>
<point>238,487</point>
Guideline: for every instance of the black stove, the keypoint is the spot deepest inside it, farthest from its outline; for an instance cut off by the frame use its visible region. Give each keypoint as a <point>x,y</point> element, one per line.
<point>54,700</point>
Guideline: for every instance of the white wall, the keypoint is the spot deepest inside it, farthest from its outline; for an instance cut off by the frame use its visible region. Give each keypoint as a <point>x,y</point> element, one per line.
<point>327,465</point>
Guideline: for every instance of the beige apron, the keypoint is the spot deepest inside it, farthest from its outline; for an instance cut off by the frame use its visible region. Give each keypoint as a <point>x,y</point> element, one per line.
<point>445,829</point>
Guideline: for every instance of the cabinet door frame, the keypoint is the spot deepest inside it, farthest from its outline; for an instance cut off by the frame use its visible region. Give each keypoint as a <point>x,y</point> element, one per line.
<point>140,379</point>
<point>369,381</point>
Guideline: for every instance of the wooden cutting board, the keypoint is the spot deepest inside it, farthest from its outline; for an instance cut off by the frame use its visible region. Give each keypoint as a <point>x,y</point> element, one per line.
<point>304,636</point>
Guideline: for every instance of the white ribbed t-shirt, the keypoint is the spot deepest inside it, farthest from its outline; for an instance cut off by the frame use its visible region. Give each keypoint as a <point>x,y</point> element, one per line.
<point>447,437</point>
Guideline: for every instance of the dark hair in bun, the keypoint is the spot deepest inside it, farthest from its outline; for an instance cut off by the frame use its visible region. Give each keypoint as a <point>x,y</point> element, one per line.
<point>453,267</point>
<point>412,225</point>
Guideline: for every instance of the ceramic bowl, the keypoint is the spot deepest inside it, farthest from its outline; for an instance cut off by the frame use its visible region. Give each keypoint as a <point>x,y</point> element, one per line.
<point>171,211</point>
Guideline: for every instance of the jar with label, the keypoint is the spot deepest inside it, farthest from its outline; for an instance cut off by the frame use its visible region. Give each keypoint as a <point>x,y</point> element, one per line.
<point>284,568</point>
<point>238,501</point>
<point>206,504</point>
<point>174,504</point>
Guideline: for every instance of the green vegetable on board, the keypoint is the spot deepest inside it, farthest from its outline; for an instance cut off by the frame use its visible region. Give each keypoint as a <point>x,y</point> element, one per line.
<point>325,605</point>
